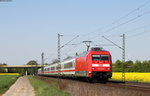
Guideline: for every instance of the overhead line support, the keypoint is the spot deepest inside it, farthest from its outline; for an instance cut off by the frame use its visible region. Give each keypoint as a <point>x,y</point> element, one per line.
<point>123,58</point>
<point>42,57</point>
<point>123,54</point>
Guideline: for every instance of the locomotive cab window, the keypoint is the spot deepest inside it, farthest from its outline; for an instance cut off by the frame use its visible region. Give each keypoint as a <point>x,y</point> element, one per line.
<point>100,57</point>
<point>95,57</point>
<point>104,57</point>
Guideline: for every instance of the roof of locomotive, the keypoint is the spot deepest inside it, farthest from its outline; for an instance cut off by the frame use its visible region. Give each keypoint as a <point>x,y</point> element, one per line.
<point>93,50</point>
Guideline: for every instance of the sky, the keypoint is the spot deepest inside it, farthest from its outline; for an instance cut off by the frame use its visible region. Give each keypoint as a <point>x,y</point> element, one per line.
<point>30,27</point>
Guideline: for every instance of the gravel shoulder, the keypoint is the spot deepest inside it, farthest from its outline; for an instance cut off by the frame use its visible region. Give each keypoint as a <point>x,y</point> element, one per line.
<point>21,87</point>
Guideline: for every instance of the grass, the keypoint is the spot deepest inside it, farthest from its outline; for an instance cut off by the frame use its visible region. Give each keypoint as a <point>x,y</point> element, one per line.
<point>133,76</point>
<point>43,88</point>
<point>6,81</point>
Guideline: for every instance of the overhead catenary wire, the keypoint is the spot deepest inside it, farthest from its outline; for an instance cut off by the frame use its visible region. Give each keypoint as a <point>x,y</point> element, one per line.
<point>121,18</point>
<point>137,34</point>
<point>74,46</point>
<point>116,21</point>
<point>69,41</point>
<point>140,33</point>
<point>132,30</point>
<point>136,9</point>
<point>138,16</point>
<point>112,42</point>
<point>141,27</point>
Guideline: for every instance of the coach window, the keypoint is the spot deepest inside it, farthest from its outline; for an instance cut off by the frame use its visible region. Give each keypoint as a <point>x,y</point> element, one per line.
<point>52,68</point>
<point>68,65</point>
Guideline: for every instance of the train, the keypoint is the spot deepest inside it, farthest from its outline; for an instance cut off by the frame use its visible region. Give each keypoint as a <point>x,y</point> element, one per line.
<point>95,64</point>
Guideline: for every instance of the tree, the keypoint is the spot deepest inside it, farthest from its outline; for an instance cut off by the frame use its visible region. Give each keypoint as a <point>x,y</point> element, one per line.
<point>2,70</point>
<point>137,66</point>
<point>32,62</point>
<point>117,66</point>
<point>32,71</point>
<point>145,66</point>
<point>128,66</point>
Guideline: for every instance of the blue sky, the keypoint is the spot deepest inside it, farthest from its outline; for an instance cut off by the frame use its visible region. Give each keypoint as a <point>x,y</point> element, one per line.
<point>30,27</point>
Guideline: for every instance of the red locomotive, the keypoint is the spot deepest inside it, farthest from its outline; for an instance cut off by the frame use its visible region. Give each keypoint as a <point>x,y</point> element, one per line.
<point>95,64</point>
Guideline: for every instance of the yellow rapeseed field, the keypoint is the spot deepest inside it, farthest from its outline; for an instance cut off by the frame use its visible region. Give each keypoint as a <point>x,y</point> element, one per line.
<point>9,74</point>
<point>138,77</point>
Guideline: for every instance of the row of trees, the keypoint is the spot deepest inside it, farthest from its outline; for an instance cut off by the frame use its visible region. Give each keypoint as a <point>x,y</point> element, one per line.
<point>131,66</point>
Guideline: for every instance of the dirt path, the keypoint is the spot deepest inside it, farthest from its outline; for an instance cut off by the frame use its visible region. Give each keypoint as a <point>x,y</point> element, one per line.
<point>22,87</point>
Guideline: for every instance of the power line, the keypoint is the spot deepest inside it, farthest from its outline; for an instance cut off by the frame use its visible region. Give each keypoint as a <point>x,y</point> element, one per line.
<point>69,41</point>
<point>105,45</point>
<point>112,42</point>
<point>121,24</point>
<point>141,33</point>
<point>121,18</point>
<point>137,9</point>
<point>75,46</point>
<point>67,35</point>
<point>129,37</point>
<point>126,22</point>
<point>137,28</point>
<point>140,15</point>
<point>127,32</point>
<point>144,4</point>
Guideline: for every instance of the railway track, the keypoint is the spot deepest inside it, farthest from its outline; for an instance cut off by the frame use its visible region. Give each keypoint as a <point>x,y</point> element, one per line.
<point>145,87</point>
<point>129,85</point>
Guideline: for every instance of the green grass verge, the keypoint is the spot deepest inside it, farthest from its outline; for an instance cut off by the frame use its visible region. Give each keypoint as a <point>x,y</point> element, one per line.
<point>6,81</point>
<point>43,88</point>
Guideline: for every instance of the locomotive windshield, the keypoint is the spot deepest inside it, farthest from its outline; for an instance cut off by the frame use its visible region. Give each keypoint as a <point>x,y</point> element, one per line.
<point>100,57</point>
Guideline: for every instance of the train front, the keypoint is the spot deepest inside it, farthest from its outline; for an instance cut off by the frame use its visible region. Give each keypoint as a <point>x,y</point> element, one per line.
<point>99,64</point>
